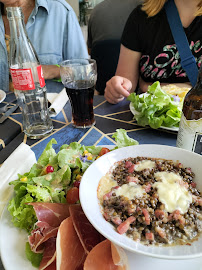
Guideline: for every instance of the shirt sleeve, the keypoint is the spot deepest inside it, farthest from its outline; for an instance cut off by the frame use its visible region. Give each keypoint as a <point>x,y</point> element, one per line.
<point>131,37</point>
<point>74,43</point>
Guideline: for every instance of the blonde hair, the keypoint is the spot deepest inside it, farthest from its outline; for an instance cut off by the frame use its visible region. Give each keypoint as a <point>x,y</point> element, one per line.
<point>152,7</point>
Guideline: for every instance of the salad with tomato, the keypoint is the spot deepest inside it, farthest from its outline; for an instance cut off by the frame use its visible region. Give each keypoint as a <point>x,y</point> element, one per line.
<point>56,177</point>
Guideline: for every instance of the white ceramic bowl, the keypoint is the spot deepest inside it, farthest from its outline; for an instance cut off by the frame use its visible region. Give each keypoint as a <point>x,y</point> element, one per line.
<point>90,204</point>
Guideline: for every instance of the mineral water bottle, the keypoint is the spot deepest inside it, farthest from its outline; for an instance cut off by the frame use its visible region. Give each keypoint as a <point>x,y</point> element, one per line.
<point>27,77</point>
<point>190,130</point>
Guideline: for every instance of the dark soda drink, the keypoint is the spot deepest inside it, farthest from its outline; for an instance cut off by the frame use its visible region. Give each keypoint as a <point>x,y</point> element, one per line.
<point>81,94</point>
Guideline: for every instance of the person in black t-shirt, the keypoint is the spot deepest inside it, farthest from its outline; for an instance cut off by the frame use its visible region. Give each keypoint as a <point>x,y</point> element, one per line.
<point>148,50</point>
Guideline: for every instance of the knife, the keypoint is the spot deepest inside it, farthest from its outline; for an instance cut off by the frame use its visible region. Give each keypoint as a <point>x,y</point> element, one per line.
<point>8,113</point>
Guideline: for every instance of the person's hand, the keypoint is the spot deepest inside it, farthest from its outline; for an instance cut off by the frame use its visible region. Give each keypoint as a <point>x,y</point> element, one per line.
<point>51,72</point>
<point>117,88</point>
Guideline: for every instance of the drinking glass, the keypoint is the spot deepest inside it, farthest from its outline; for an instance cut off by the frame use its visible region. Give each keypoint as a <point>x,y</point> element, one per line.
<point>79,78</point>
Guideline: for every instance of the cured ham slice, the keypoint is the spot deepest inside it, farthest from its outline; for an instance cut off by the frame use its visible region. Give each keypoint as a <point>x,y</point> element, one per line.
<point>87,234</point>
<point>50,216</point>
<point>52,266</point>
<point>49,255</point>
<point>119,257</point>
<point>100,258</point>
<point>38,237</point>
<point>70,252</point>
<point>51,213</point>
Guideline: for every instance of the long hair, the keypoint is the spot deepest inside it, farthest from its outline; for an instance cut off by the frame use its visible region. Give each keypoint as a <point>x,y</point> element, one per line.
<point>152,7</point>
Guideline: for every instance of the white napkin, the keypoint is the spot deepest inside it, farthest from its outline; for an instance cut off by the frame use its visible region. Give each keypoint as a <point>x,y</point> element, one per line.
<point>20,161</point>
<point>57,101</point>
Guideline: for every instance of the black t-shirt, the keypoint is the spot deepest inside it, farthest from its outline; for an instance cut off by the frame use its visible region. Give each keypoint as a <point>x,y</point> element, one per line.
<point>152,37</point>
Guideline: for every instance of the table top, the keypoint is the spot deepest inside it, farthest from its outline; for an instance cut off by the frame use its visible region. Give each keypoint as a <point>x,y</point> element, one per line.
<point>108,118</point>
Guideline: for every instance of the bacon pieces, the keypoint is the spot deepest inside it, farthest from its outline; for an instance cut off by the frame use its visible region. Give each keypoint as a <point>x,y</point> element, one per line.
<point>124,226</point>
<point>146,215</point>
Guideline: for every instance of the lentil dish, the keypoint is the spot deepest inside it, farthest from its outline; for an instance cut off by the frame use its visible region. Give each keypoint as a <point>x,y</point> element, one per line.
<point>154,201</point>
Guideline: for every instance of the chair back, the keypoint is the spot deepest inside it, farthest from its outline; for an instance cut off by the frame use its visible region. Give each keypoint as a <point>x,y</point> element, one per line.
<point>106,54</point>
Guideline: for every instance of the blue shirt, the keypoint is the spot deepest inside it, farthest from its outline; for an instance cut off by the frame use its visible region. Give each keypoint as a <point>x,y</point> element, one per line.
<point>55,33</point>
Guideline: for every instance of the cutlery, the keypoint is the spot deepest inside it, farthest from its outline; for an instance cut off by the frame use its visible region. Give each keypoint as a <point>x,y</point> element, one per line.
<point>8,113</point>
<point>4,108</point>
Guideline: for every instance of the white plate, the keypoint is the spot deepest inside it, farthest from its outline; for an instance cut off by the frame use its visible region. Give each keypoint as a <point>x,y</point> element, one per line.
<point>134,112</point>
<point>90,203</point>
<point>12,242</point>
<point>12,248</point>
<point>2,95</point>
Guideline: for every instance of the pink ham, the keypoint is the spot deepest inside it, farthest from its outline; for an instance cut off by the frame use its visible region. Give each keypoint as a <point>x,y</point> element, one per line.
<point>49,255</point>
<point>70,253</point>
<point>39,236</point>
<point>52,266</point>
<point>100,258</point>
<point>146,216</point>
<point>51,213</point>
<point>119,257</point>
<point>87,234</point>
<point>124,226</point>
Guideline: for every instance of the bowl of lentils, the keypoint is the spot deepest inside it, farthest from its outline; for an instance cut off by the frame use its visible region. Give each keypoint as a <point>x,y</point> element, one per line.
<point>147,199</point>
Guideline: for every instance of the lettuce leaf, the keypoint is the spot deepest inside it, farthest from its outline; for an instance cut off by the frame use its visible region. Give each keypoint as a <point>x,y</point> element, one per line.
<point>34,258</point>
<point>156,108</point>
<point>39,186</point>
<point>122,139</point>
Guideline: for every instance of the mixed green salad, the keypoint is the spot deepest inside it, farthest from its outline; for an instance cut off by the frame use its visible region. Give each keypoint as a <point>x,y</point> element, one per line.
<point>54,175</point>
<point>156,108</point>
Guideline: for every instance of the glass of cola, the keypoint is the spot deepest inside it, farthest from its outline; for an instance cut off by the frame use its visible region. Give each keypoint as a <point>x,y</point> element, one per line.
<point>79,78</point>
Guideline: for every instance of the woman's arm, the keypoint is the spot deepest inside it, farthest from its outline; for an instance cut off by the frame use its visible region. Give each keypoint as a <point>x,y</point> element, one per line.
<point>128,65</point>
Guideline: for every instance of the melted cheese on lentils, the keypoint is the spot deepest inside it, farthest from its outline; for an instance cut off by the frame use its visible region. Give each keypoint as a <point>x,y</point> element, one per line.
<point>144,164</point>
<point>105,185</point>
<point>173,195</point>
<point>130,190</point>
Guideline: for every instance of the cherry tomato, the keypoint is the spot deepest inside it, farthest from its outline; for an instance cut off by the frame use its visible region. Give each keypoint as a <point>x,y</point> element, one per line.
<point>72,195</point>
<point>104,151</point>
<point>49,169</point>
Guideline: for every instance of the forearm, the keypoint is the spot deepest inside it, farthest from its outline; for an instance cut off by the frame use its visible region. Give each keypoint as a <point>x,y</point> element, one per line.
<point>128,65</point>
<point>51,72</point>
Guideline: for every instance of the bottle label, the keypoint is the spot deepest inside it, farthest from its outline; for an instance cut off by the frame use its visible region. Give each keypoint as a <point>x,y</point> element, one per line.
<point>41,77</point>
<point>190,135</point>
<point>22,79</point>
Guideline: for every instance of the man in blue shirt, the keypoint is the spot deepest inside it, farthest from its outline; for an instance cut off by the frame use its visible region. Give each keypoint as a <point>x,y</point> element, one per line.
<point>54,31</point>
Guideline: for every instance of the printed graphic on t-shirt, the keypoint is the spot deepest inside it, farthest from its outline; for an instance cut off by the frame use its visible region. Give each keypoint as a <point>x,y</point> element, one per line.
<point>167,63</point>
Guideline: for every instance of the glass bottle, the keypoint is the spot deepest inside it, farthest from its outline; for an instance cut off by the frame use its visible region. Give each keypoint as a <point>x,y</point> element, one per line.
<point>27,77</point>
<point>190,129</point>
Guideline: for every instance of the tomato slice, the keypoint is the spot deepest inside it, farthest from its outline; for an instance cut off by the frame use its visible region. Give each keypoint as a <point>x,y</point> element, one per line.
<point>104,151</point>
<point>72,195</point>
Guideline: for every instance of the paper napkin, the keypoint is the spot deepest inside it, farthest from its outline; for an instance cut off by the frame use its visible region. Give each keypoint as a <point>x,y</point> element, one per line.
<point>57,101</point>
<point>20,161</point>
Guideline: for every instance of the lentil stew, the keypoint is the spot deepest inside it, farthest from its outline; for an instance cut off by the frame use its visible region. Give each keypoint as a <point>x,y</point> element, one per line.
<point>153,201</point>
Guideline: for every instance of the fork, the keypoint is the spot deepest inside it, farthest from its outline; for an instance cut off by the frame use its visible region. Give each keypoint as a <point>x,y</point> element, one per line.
<point>5,107</point>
